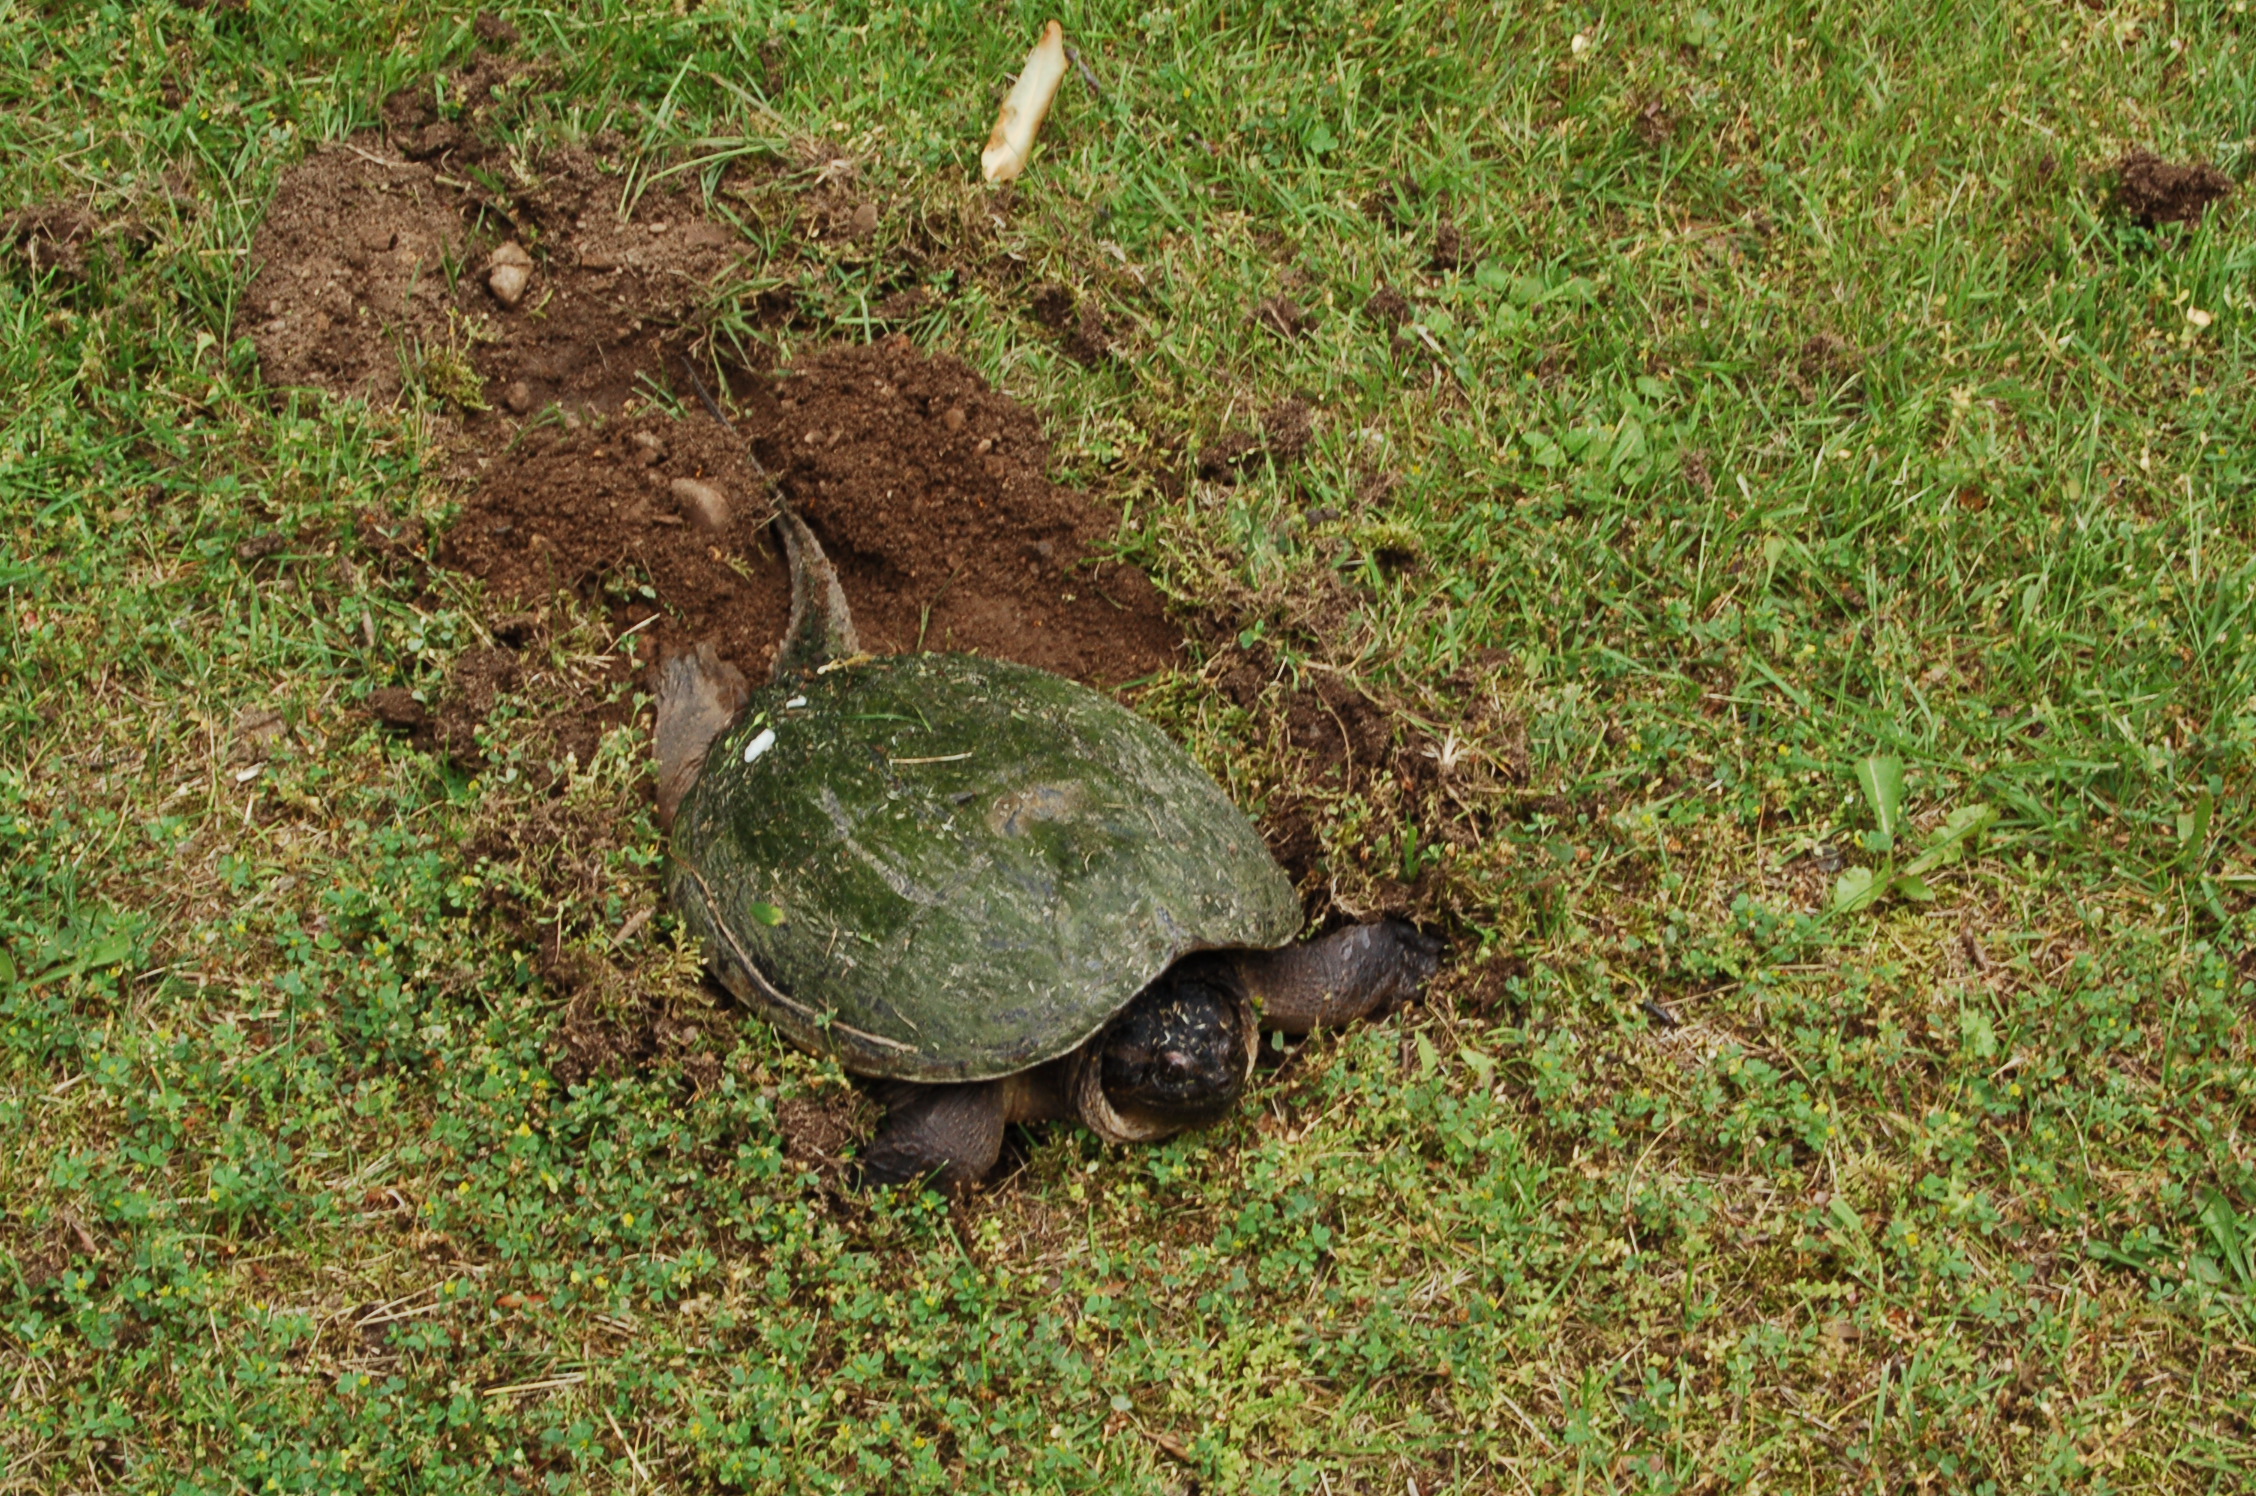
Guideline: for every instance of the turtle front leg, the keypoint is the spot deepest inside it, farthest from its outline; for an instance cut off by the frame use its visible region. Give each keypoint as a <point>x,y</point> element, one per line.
<point>1338,978</point>
<point>949,1135</point>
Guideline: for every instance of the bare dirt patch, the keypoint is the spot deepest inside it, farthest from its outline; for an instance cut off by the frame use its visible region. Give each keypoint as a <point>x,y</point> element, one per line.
<point>543,314</point>
<point>931,488</point>
<point>926,485</point>
<point>50,237</point>
<point>2154,191</point>
<point>373,271</point>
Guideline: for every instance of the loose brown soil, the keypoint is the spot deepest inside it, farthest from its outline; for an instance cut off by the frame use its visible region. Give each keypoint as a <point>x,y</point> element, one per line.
<point>370,272</point>
<point>928,487</point>
<point>1287,429</point>
<point>50,238</point>
<point>2153,190</point>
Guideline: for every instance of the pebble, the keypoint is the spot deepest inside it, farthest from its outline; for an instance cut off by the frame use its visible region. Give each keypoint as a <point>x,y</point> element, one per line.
<point>701,502</point>
<point>518,396</point>
<point>508,272</point>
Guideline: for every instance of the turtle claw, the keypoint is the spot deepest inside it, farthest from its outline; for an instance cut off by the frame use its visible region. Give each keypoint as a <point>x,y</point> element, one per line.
<point>946,1135</point>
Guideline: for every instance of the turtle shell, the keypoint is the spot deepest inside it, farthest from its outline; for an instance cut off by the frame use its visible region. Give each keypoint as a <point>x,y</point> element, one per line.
<point>944,868</point>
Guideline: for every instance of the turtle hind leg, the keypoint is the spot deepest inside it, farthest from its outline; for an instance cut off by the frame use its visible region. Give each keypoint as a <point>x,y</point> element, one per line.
<point>948,1135</point>
<point>699,694</point>
<point>1338,978</point>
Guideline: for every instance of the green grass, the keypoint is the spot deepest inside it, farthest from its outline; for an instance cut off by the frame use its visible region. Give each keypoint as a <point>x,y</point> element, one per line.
<point>1799,402</point>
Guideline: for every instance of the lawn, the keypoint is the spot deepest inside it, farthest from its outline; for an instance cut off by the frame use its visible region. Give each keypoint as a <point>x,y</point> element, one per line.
<point>1775,543</point>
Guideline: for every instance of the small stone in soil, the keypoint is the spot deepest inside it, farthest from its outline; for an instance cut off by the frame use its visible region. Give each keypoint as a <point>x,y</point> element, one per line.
<point>518,396</point>
<point>508,273</point>
<point>701,502</point>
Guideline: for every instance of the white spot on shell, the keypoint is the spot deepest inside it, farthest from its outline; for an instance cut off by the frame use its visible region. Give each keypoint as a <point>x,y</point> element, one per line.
<point>760,744</point>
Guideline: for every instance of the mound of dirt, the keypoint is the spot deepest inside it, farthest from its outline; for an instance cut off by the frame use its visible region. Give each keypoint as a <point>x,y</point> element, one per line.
<point>929,488</point>
<point>926,486</point>
<point>351,275</point>
<point>371,270</point>
<point>2154,191</point>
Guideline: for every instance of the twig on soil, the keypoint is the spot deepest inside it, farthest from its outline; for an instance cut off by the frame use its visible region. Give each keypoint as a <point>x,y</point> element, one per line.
<point>378,160</point>
<point>712,406</point>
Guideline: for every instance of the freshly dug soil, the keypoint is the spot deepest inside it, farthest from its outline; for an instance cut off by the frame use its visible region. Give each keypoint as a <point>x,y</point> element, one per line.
<point>925,485</point>
<point>351,274</point>
<point>2153,190</point>
<point>50,237</point>
<point>371,269</point>
<point>928,487</point>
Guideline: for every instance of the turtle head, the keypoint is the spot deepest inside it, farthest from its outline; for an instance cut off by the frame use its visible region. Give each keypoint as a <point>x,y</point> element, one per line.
<point>1177,1056</point>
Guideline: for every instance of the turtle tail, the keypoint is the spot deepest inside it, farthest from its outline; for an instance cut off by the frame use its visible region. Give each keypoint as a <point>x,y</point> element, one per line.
<point>821,630</point>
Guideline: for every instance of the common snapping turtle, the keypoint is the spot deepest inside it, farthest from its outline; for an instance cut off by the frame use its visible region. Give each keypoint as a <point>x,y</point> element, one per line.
<point>1002,895</point>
